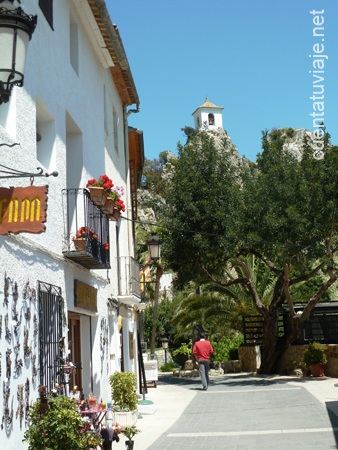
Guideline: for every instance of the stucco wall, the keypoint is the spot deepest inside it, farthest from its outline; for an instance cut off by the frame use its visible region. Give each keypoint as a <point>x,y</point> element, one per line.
<point>74,105</point>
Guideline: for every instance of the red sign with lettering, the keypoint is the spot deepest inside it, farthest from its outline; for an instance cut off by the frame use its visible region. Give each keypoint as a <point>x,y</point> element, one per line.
<point>23,209</point>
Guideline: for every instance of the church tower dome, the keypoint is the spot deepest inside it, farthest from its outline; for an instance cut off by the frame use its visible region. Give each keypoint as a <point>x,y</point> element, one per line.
<point>208,116</point>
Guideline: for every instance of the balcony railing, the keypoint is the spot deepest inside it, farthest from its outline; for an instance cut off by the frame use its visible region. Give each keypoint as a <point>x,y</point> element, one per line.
<point>129,280</point>
<point>84,220</point>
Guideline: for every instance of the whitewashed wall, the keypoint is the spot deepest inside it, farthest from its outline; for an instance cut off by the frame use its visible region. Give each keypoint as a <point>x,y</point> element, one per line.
<point>73,104</point>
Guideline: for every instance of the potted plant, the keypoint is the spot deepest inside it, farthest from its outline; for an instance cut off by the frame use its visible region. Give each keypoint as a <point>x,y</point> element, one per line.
<point>315,358</point>
<point>84,235</point>
<point>115,195</point>
<point>129,433</point>
<point>124,397</point>
<point>58,425</point>
<point>99,189</point>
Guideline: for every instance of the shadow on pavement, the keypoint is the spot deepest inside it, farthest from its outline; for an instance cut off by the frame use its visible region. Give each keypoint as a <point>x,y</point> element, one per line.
<point>240,379</point>
<point>332,410</point>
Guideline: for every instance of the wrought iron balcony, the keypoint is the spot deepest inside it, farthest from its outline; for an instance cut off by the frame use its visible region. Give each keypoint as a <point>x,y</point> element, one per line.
<point>129,291</point>
<point>86,238</point>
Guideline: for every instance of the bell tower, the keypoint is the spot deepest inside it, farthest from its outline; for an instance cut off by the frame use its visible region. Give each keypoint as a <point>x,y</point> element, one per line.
<point>208,116</point>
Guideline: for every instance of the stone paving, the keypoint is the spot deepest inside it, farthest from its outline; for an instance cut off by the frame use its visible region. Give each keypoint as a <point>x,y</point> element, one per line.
<point>241,411</point>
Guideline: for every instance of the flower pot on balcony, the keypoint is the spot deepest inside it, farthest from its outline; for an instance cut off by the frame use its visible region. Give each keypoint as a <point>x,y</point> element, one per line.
<point>108,207</point>
<point>98,195</point>
<point>80,244</point>
<point>115,215</point>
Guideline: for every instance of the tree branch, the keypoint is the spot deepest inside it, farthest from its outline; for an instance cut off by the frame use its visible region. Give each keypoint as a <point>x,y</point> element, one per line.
<point>287,291</point>
<point>316,298</point>
<point>266,261</point>
<point>309,275</point>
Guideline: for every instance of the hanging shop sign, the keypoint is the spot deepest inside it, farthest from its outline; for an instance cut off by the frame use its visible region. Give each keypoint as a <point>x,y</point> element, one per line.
<point>23,209</point>
<point>85,296</point>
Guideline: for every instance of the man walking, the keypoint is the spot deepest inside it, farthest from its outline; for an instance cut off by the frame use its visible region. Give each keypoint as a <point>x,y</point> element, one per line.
<point>203,350</point>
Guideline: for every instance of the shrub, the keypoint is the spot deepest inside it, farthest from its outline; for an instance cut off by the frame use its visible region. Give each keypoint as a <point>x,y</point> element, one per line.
<point>315,353</point>
<point>169,367</point>
<point>227,348</point>
<point>59,426</point>
<point>123,391</point>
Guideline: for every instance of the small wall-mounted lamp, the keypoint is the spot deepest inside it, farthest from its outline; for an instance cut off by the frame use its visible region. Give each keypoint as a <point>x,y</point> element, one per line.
<point>16,29</point>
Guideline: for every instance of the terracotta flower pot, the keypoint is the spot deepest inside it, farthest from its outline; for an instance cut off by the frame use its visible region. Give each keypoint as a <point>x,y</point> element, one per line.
<point>108,207</point>
<point>80,244</point>
<point>98,195</point>
<point>116,215</point>
<point>317,370</point>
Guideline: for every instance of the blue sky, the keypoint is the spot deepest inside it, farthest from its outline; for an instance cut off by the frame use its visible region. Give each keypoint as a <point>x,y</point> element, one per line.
<point>251,57</point>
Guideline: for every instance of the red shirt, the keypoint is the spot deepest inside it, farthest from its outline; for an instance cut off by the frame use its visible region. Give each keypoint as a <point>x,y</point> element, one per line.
<point>202,349</point>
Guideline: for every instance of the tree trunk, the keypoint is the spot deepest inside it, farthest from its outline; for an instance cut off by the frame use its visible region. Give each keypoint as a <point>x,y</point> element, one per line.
<point>274,346</point>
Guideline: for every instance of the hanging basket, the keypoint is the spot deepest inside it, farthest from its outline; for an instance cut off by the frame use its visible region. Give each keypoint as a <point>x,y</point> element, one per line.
<point>98,195</point>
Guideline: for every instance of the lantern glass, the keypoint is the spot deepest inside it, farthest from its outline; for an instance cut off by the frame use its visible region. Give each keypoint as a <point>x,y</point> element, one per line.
<point>13,49</point>
<point>16,29</point>
<point>154,247</point>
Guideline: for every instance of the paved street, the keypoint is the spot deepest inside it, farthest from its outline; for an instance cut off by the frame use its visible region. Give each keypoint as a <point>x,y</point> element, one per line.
<point>241,411</point>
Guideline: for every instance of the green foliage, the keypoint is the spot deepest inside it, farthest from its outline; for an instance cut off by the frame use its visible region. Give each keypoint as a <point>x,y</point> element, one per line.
<point>282,210</point>
<point>202,209</point>
<point>123,386</point>
<point>220,309</point>
<point>225,349</point>
<point>130,432</point>
<point>315,353</point>
<point>169,367</point>
<point>59,428</point>
<point>184,349</point>
<point>164,324</point>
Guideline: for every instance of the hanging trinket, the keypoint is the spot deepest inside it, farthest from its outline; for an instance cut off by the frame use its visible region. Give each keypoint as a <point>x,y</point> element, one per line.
<point>0,326</point>
<point>8,335</point>
<point>27,393</point>
<point>7,418</point>
<point>35,330</point>
<point>34,370</point>
<point>8,364</point>
<point>18,361</point>
<point>26,348</point>
<point>6,289</point>
<point>20,409</point>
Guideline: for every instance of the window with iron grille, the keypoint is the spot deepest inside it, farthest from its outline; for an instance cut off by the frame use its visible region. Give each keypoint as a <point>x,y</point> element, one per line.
<point>46,7</point>
<point>50,334</point>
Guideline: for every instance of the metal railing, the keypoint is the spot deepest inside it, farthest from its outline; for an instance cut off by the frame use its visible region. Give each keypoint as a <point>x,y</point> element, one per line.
<point>80,213</point>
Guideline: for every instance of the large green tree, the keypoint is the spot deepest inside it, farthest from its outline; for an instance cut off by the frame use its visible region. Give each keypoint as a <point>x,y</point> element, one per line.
<point>282,210</point>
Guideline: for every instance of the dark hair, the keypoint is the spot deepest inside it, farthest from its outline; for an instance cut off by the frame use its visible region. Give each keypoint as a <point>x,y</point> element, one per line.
<point>202,335</point>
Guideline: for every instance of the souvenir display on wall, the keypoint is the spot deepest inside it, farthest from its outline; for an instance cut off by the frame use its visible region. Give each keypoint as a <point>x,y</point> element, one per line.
<point>20,409</point>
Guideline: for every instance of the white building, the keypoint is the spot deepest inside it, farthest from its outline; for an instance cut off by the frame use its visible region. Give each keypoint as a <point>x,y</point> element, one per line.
<point>208,116</point>
<point>58,302</point>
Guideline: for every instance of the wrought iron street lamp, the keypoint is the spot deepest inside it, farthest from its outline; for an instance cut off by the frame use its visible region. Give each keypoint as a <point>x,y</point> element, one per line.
<point>165,343</point>
<point>16,29</point>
